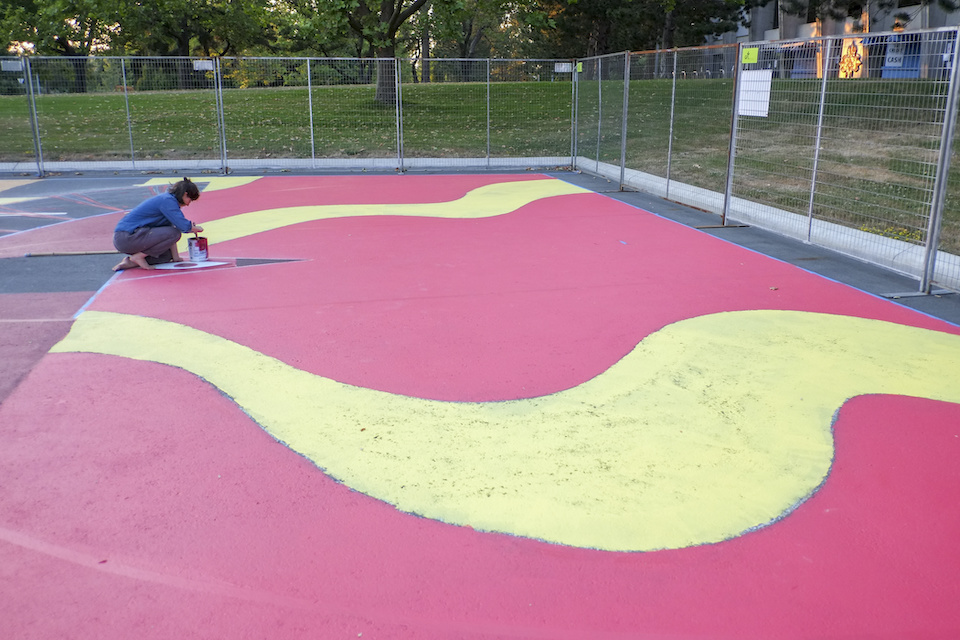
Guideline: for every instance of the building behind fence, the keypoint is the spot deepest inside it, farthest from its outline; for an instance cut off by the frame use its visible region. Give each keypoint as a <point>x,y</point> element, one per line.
<point>843,141</point>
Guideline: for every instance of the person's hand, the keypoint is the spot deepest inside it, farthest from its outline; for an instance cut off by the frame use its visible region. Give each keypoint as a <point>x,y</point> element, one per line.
<point>196,229</point>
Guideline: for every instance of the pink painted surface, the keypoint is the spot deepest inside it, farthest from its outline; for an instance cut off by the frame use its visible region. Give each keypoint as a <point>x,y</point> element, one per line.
<point>86,234</point>
<point>31,323</point>
<point>139,502</point>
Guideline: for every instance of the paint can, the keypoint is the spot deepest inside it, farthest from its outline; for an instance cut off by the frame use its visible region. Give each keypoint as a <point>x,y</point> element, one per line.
<point>197,247</point>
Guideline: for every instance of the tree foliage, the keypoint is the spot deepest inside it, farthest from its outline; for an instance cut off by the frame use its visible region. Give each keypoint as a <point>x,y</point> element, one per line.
<point>385,28</point>
<point>596,27</point>
<point>159,27</point>
<point>57,27</point>
<point>192,27</point>
<point>472,28</point>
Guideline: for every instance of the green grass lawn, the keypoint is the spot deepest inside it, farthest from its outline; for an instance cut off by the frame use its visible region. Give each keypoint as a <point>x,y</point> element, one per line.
<point>875,166</point>
<point>439,120</point>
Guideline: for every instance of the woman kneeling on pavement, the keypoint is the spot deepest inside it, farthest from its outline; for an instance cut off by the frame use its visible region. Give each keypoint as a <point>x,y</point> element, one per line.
<point>150,232</point>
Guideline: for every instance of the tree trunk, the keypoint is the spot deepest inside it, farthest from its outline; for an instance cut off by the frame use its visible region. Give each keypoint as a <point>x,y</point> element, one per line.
<point>669,26</point>
<point>78,60</point>
<point>391,16</point>
<point>386,77</point>
<point>79,73</point>
<point>599,37</point>
<point>425,53</point>
<point>474,41</point>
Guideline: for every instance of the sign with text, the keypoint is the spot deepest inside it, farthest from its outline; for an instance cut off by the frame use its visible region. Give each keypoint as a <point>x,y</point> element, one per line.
<point>755,92</point>
<point>895,54</point>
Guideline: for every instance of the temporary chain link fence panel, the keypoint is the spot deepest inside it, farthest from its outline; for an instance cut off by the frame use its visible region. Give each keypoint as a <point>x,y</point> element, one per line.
<point>611,90</point>
<point>304,113</point>
<point>678,123</point>
<point>702,107</point>
<point>17,141</point>
<point>649,120</point>
<point>350,127</point>
<point>837,141</point>
<point>531,107</point>
<point>266,112</point>
<point>445,112</point>
<point>117,114</point>
<point>947,265</point>
<point>83,98</point>
<point>778,126</point>
<point>587,120</point>
<point>600,113</point>
<point>174,117</point>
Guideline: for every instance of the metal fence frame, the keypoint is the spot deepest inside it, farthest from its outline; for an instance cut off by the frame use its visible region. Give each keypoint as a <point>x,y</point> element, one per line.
<point>224,118</point>
<point>678,123</point>
<point>745,184</point>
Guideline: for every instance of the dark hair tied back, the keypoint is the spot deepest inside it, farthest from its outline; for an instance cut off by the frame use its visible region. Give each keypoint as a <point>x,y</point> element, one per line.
<point>182,188</point>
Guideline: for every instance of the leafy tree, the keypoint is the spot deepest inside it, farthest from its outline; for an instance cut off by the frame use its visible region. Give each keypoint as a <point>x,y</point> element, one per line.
<point>78,28</point>
<point>71,28</point>
<point>192,27</point>
<point>688,23</point>
<point>596,27</point>
<point>313,27</point>
<point>164,27</point>
<point>463,29</point>
<point>375,26</point>
<point>467,29</point>
<point>57,27</point>
<point>379,24</point>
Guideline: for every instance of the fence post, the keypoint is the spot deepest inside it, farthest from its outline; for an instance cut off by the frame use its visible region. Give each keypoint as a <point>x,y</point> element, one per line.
<point>34,121</point>
<point>827,47</point>
<point>574,113</point>
<point>943,168</point>
<point>734,121</point>
<point>599,111</point>
<point>623,125</point>
<point>488,113</point>
<point>313,144</point>
<point>673,104</point>
<point>398,86</point>
<point>221,119</point>
<point>126,100</point>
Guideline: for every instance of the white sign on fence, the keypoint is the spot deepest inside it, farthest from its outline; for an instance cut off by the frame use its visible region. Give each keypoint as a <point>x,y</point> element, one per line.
<point>203,65</point>
<point>11,65</point>
<point>895,54</point>
<point>755,92</point>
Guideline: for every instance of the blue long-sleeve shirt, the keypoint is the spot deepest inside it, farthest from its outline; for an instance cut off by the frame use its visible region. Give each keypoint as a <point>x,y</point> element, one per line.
<point>159,211</point>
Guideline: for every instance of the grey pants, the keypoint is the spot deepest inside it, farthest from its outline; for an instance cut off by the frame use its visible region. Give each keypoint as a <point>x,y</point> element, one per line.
<point>158,243</point>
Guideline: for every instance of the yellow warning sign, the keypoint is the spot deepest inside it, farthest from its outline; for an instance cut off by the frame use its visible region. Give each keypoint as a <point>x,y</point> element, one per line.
<point>750,55</point>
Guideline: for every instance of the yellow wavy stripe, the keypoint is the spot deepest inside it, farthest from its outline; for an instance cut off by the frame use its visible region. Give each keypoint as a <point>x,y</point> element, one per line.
<point>211,183</point>
<point>482,202</point>
<point>708,428</point>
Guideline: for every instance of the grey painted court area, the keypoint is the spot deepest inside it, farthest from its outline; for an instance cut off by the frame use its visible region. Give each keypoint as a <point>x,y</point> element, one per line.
<point>45,274</point>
